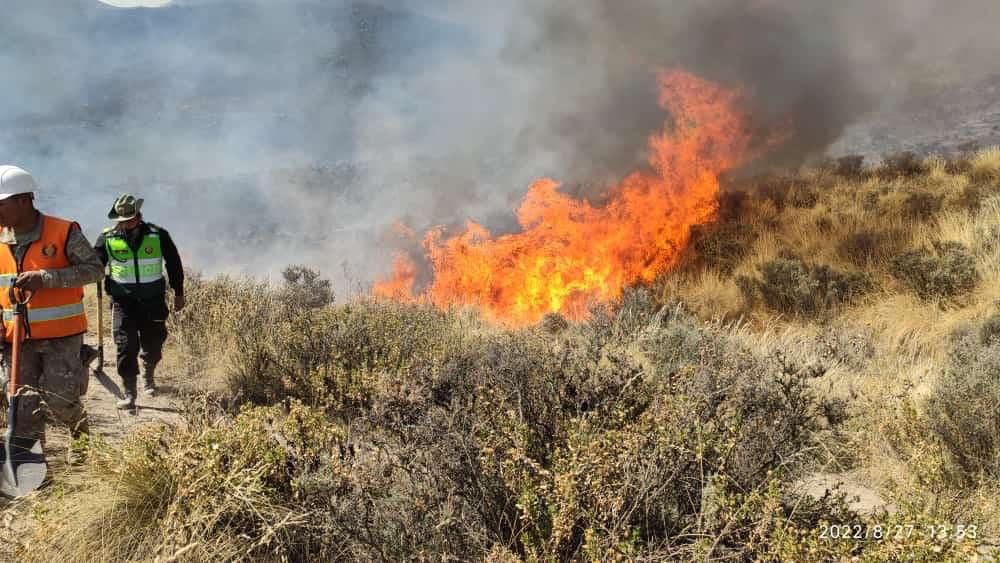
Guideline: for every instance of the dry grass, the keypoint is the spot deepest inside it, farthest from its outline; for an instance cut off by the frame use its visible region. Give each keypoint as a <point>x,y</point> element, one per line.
<point>864,222</point>
<point>986,165</point>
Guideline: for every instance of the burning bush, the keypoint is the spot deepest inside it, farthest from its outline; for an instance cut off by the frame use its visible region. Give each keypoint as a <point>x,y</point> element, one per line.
<point>569,252</point>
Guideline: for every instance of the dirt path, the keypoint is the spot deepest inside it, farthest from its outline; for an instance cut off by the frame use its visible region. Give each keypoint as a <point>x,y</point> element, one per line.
<point>107,421</point>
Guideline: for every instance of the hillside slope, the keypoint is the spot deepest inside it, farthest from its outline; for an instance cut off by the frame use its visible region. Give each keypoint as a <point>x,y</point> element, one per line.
<point>834,320</point>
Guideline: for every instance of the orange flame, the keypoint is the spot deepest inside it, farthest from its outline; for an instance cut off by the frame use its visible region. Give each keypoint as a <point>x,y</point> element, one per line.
<point>571,253</point>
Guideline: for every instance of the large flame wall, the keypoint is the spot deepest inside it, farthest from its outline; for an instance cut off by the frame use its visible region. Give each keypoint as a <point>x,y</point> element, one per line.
<point>570,253</point>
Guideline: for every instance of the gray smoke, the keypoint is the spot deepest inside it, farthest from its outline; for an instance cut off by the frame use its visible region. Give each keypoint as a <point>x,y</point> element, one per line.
<point>263,133</point>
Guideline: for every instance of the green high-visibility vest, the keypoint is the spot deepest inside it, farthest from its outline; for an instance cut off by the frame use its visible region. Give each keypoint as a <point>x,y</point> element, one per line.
<point>136,273</point>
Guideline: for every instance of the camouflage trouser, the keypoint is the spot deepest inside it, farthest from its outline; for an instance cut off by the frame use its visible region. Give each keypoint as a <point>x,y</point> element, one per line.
<point>52,380</point>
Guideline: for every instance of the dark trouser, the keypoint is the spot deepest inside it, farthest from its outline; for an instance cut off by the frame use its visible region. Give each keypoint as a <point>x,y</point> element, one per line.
<point>139,325</point>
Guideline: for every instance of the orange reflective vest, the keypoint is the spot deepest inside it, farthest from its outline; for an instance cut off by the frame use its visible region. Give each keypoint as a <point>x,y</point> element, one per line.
<point>52,312</point>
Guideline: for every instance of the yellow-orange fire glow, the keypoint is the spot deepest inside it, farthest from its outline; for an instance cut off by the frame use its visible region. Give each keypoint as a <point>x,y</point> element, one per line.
<point>571,253</point>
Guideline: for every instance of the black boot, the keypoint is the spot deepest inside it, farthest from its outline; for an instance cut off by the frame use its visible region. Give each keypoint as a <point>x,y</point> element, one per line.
<point>128,401</point>
<point>148,384</point>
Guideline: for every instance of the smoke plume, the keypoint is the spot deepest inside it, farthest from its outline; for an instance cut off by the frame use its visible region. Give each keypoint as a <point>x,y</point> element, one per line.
<point>262,133</point>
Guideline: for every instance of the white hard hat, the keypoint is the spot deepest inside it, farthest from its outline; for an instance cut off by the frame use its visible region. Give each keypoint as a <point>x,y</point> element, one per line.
<point>15,181</point>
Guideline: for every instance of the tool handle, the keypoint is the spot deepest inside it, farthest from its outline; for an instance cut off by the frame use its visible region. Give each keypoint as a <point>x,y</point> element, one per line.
<point>15,351</point>
<point>100,326</point>
<point>19,299</point>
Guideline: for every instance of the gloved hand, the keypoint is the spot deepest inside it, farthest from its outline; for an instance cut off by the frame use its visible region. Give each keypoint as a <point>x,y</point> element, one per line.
<point>179,302</point>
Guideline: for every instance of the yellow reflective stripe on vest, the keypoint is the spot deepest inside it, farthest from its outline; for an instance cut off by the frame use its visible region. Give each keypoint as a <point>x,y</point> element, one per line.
<point>48,313</point>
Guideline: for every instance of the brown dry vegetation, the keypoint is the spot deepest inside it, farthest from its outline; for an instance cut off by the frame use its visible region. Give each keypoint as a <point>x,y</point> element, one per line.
<point>844,321</point>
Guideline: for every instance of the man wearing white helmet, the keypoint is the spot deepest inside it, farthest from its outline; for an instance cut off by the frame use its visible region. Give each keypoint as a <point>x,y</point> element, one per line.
<point>51,258</point>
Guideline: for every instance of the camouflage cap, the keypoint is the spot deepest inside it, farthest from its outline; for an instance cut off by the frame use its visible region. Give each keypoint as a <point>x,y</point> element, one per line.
<point>126,207</point>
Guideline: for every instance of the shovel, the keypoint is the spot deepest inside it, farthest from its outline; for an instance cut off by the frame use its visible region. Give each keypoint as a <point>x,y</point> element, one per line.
<point>23,461</point>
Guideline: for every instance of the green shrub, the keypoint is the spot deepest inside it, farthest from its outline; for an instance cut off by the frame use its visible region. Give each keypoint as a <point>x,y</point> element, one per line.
<point>962,409</point>
<point>306,288</point>
<point>791,286</point>
<point>324,356</point>
<point>948,271</point>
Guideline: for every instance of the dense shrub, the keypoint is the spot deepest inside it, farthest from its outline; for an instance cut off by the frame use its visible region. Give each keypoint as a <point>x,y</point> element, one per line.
<point>783,190</point>
<point>791,286</point>
<point>217,309</point>
<point>972,197</point>
<point>922,206</point>
<point>306,288</point>
<point>850,166</point>
<point>948,271</point>
<point>987,229</point>
<point>803,197</point>
<point>962,409</point>
<point>867,248</point>
<point>725,246</point>
<point>989,333</point>
<point>870,201</point>
<point>630,435</point>
<point>904,164</point>
<point>229,491</point>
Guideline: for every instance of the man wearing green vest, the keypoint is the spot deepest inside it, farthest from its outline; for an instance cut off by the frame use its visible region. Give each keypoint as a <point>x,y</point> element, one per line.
<point>135,253</point>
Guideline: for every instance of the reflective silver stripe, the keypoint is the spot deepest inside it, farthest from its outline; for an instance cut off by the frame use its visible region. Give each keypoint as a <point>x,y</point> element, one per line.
<point>7,279</point>
<point>48,313</point>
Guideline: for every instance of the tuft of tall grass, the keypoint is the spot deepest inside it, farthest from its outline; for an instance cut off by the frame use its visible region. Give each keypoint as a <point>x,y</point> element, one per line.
<point>986,165</point>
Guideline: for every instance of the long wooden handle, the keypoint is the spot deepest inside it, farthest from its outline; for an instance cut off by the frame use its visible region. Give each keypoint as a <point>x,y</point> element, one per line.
<point>100,325</point>
<point>15,352</point>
